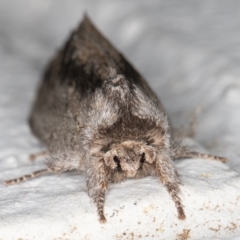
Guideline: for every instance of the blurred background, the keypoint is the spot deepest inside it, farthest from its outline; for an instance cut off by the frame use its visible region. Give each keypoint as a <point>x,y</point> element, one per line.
<point>189,52</point>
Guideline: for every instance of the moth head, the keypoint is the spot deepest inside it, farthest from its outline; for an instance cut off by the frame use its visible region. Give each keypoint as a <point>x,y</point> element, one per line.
<point>129,156</point>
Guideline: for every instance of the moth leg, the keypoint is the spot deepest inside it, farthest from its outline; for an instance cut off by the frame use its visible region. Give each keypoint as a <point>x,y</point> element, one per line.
<point>168,176</point>
<point>184,153</point>
<point>27,177</point>
<point>97,182</point>
<point>33,156</point>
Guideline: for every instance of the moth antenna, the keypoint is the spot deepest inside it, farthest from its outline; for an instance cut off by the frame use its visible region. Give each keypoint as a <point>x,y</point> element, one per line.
<point>184,153</point>
<point>27,177</point>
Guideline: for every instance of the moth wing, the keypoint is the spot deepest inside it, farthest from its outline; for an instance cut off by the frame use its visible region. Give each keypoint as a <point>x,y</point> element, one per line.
<point>87,58</point>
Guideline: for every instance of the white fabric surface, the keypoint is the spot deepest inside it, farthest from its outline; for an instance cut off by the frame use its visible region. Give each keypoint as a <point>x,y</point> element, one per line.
<point>189,51</point>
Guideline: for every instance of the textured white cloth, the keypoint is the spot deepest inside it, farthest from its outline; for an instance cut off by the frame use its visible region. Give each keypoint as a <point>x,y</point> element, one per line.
<point>189,53</point>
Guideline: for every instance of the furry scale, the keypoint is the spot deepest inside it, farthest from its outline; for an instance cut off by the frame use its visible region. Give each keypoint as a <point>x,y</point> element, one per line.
<point>95,113</point>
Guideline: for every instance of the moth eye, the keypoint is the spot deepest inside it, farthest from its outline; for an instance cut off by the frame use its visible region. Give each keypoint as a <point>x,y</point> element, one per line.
<point>116,160</point>
<point>142,160</point>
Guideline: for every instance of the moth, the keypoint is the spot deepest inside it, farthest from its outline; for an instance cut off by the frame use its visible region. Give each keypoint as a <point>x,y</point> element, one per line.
<point>95,113</point>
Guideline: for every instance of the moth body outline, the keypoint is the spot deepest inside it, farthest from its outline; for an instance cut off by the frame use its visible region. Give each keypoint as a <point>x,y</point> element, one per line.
<point>97,114</point>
